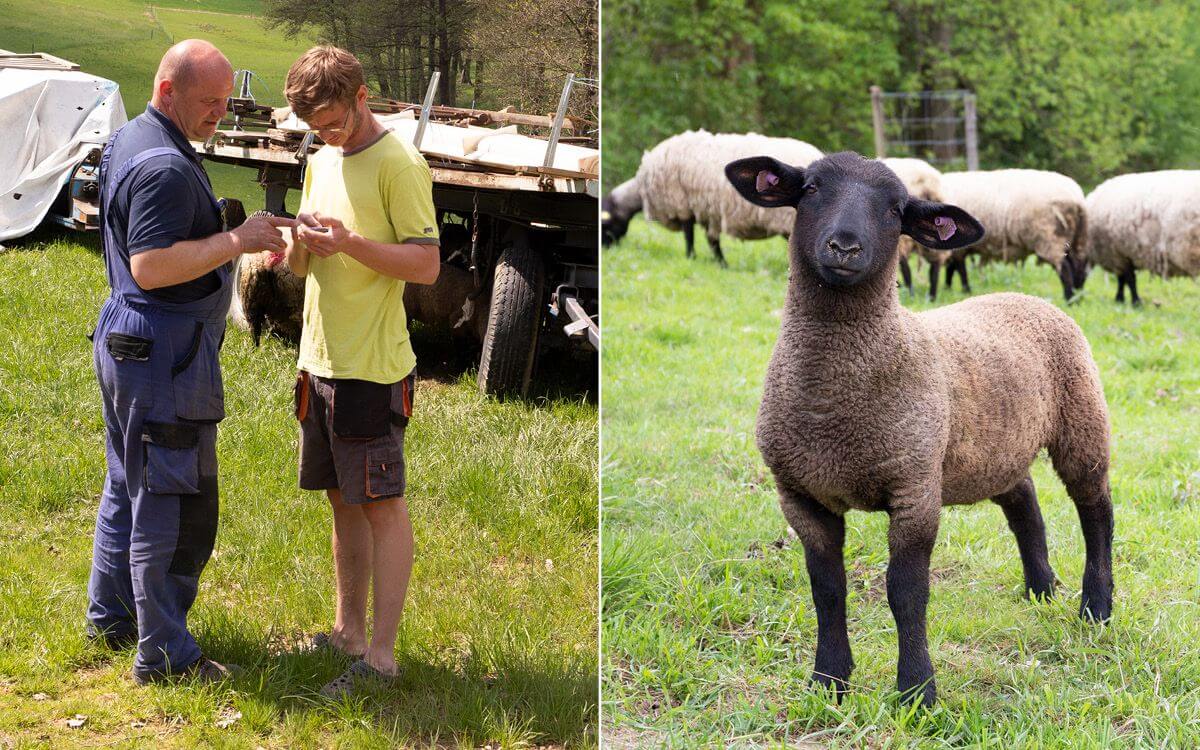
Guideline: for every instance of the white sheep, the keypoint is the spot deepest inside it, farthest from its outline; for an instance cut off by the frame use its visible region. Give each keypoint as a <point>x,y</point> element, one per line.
<point>1148,220</point>
<point>924,181</point>
<point>1026,211</point>
<point>682,183</point>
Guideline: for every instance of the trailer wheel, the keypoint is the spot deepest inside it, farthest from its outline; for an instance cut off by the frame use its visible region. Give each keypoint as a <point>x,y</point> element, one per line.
<point>514,317</point>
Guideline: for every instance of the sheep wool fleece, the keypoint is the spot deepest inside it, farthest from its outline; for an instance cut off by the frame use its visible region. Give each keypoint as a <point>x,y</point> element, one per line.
<point>160,381</point>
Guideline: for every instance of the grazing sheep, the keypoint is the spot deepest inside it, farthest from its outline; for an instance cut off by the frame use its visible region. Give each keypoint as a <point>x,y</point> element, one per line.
<point>617,209</point>
<point>1027,211</point>
<point>870,406</point>
<point>681,185</point>
<point>1148,220</point>
<point>924,181</point>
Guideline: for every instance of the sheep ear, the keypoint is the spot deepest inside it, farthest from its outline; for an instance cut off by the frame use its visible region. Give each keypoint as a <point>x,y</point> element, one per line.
<point>766,181</point>
<point>940,226</point>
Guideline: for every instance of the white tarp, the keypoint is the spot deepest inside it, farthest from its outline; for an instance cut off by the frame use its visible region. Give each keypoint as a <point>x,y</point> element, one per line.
<point>49,120</point>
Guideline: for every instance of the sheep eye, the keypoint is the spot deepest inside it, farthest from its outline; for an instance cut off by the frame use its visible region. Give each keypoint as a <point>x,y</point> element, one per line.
<point>810,188</point>
<point>898,209</point>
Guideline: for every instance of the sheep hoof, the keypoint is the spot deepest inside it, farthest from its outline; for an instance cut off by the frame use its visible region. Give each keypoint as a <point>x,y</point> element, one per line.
<point>838,685</point>
<point>923,693</point>
<point>1095,609</point>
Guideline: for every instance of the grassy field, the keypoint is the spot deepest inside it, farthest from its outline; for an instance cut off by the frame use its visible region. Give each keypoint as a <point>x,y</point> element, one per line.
<point>123,40</point>
<point>498,641</point>
<point>708,628</point>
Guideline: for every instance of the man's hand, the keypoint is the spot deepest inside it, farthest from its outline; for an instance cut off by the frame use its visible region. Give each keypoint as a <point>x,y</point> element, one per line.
<point>322,235</point>
<point>260,233</point>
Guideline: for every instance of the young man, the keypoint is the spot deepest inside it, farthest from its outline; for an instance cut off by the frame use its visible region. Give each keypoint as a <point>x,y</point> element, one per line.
<point>366,226</point>
<point>156,345</point>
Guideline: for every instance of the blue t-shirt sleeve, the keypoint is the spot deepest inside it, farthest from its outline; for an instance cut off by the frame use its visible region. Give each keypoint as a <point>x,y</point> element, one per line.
<point>162,206</point>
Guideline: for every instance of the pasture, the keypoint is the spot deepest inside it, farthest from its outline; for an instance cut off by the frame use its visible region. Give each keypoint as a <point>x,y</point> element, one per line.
<point>123,40</point>
<point>498,639</point>
<point>708,627</point>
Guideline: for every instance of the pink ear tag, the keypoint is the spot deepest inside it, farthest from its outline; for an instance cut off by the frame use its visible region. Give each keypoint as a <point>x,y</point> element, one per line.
<point>945,227</point>
<point>765,180</point>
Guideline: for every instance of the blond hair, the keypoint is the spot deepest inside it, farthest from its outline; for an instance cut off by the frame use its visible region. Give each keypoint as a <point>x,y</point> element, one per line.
<point>322,76</point>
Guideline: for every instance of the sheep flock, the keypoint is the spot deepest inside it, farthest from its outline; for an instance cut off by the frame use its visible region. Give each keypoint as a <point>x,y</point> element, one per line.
<point>1146,221</point>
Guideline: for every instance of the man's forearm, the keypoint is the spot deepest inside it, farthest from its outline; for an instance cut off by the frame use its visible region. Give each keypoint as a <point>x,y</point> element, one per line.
<point>409,261</point>
<point>184,261</point>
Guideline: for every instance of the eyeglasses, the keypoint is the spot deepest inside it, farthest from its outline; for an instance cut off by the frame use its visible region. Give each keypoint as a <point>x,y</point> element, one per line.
<point>336,131</point>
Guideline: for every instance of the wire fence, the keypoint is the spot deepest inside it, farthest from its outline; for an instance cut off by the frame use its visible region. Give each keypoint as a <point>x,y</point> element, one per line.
<point>937,126</point>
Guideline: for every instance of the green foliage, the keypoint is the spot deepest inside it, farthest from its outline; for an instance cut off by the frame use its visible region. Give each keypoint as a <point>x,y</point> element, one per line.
<point>1091,89</point>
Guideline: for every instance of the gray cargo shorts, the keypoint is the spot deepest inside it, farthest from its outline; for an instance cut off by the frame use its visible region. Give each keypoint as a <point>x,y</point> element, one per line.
<point>352,435</point>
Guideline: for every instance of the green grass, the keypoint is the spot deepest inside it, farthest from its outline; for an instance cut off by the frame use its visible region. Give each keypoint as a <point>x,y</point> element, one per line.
<point>708,628</point>
<point>123,40</point>
<point>498,640</point>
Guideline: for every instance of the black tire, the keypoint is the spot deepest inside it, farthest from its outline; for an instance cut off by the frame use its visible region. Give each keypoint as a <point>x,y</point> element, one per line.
<point>515,315</point>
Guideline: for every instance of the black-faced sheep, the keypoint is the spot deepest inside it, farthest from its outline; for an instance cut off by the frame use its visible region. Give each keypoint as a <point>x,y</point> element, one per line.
<point>869,406</point>
<point>617,209</point>
<point>681,185</point>
<point>1027,212</point>
<point>268,297</point>
<point>1148,220</point>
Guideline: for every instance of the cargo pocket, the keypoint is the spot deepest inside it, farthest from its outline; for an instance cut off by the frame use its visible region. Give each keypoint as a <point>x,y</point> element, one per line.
<point>199,392</point>
<point>300,395</point>
<point>172,465</point>
<point>385,471</point>
<point>402,400</point>
<point>361,409</point>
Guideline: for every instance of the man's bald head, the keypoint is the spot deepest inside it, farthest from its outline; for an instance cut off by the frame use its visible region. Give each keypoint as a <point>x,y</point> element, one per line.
<point>193,83</point>
<point>190,60</point>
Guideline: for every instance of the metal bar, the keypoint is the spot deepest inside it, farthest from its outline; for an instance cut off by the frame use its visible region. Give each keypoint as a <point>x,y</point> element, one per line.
<point>581,322</point>
<point>972,133</point>
<point>426,107</point>
<point>558,120</point>
<point>877,122</point>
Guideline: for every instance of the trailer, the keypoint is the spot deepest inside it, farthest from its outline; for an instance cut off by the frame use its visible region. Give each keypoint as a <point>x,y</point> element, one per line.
<point>520,261</point>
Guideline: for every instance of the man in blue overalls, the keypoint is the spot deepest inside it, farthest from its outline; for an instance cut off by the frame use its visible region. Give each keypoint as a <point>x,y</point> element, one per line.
<point>156,344</point>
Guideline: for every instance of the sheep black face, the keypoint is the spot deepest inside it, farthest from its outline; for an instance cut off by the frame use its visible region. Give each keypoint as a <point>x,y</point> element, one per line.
<point>613,225</point>
<point>850,213</point>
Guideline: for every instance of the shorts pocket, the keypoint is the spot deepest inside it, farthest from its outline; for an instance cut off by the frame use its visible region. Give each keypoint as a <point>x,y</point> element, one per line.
<point>385,472</point>
<point>361,409</point>
<point>172,465</point>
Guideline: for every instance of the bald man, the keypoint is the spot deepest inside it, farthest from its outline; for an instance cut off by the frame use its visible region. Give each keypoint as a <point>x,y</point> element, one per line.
<point>170,265</point>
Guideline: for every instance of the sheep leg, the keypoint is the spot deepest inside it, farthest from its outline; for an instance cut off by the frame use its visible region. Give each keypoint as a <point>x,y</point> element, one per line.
<point>906,274</point>
<point>1081,461</point>
<point>911,535</point>
<point>823,535</point>
<point>934,268</point>
<point>714,241</point>
<point>961,265</point>
<point>689,238</point>
<point>1134,298</point>
<point>949,273</point>
<point>1121,288</point>
<point>1020,506</point>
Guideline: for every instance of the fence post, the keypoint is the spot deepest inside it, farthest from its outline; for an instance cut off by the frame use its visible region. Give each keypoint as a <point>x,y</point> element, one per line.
<point>877,121</point>
<point>972,134</point>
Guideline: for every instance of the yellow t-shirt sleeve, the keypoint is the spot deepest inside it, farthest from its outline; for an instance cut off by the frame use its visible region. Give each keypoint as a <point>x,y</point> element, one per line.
<point>410,205</point>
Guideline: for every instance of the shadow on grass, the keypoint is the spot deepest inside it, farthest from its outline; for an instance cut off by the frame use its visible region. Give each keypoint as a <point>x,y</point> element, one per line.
<point>511,692</point>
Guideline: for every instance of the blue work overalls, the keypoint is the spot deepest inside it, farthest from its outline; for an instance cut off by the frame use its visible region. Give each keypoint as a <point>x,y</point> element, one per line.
<point>160,379</point>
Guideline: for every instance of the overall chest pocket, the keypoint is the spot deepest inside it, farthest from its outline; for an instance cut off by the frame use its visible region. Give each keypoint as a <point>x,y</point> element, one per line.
<point>196,377</point>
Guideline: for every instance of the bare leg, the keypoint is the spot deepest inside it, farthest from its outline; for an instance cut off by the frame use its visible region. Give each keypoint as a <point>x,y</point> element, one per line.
<point>823,535</point>
<point>392,534</point>
<point>352,574</point>
<point>949,273</point>
<point>1121,287</point>
<point>1086,479</point>
<point>689,238</point>
<point>934,268</point>
<point>1134,298</point>
<point>1024,517</point>
<point>911,535</point>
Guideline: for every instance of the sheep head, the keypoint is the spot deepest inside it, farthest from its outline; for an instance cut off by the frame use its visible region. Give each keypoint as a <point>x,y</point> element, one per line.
<point>850,213</point>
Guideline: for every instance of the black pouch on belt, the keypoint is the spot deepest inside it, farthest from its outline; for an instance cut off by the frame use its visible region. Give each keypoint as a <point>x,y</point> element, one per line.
<point>127,346</point>
<point>361,409</point>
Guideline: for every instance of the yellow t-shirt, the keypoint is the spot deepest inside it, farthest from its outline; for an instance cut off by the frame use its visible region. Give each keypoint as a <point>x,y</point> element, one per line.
<point>354,320</point>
